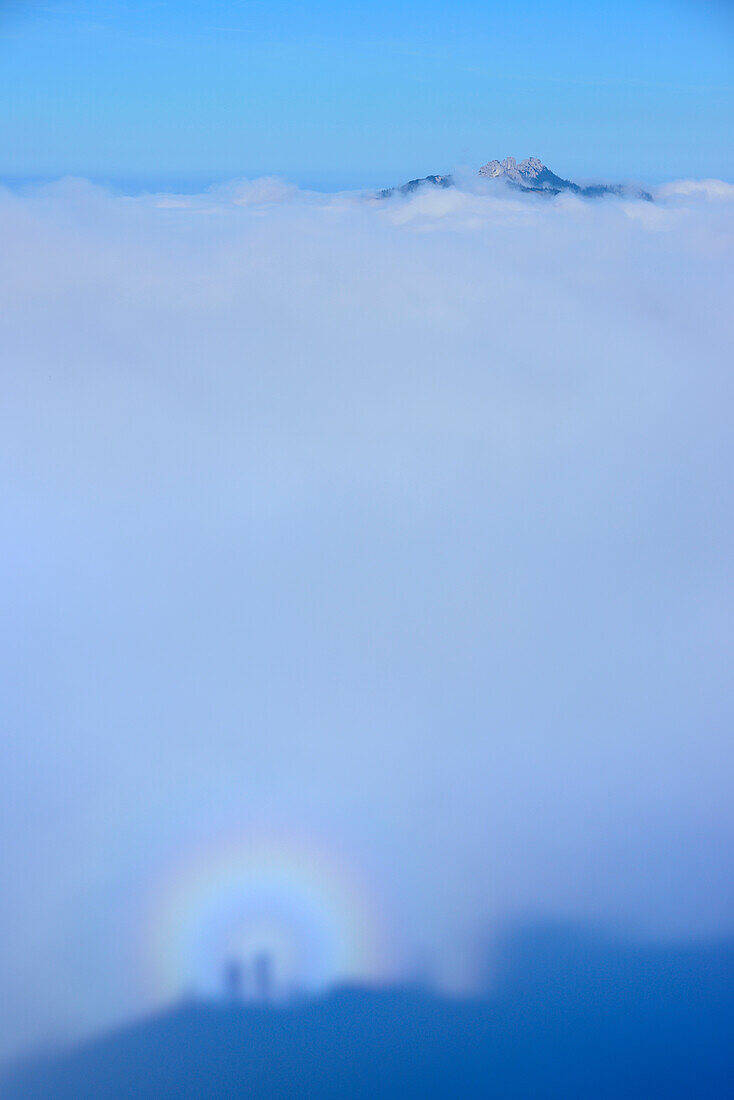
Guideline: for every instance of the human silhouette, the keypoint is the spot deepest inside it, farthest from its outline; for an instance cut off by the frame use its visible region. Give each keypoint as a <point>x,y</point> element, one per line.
<point>233,980</point>
<point>263,974</point>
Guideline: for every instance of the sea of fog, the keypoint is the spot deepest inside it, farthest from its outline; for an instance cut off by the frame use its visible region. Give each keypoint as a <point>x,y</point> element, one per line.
<point>367,582</point>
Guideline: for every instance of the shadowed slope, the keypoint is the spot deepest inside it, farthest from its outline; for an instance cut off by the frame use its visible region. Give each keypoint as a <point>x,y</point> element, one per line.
<point>574,1016</point>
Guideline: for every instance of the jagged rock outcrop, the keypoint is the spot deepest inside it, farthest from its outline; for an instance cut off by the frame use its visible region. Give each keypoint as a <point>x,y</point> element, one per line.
<point>531,174</point>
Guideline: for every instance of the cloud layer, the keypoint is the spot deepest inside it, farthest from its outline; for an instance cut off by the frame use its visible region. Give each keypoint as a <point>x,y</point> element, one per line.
<point>401,526</point>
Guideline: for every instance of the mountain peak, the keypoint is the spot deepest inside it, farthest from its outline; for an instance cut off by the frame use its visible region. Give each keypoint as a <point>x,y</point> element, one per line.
<point>529,175</point>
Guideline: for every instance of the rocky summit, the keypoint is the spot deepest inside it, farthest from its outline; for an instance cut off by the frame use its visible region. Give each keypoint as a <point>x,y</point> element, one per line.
<point>529,175</point>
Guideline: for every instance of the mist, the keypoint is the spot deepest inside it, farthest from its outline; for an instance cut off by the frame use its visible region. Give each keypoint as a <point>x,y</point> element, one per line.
<point>384,545</point>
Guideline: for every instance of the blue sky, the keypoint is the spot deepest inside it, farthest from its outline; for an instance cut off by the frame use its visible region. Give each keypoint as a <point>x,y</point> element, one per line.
<point>339,94</point>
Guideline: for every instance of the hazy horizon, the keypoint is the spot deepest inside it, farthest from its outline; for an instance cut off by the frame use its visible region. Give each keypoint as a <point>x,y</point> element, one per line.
<point>152,182</point>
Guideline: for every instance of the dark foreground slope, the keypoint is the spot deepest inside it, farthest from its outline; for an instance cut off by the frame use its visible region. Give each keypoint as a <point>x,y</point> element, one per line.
<point>572,1018</point>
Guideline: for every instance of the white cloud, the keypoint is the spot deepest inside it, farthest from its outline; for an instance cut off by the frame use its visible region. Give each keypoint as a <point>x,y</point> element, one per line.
<point>707,189</point>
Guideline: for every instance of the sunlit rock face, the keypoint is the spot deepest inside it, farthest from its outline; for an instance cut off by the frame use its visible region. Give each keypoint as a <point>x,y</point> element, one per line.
<point>531,168</point>
<point>492,169</point>
<point>528,170</point>
<point>530,173</point>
